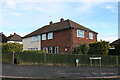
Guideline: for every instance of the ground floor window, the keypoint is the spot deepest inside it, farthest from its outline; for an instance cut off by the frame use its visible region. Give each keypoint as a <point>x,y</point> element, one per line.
<point>56,49</point>
<point>45,49</point>
<point>32,48</point>
<point>51,49</point>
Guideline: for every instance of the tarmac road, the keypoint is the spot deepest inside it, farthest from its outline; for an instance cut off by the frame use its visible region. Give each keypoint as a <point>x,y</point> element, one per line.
<point>54,72</point>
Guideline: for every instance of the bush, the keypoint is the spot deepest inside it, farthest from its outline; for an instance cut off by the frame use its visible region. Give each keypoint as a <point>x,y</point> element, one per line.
<point>84,48</point>
<point>34,51</point>
<point>12,47</point>
<point>81,49</point>
<point>76,49</point>
<point>99,48</point>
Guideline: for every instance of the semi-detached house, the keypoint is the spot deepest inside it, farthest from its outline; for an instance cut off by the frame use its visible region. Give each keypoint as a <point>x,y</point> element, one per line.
<point>59,37</point>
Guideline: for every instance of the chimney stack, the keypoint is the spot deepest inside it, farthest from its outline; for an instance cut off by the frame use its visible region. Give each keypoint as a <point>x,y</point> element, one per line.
<point>51,22</point>
<point>61,19</point>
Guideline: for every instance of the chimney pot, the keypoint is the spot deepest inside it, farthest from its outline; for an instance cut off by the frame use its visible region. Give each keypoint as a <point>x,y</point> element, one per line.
<point>61,19</point>
<point>51,22</point>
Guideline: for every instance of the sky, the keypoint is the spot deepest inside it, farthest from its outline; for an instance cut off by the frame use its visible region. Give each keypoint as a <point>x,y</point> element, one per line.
<point>23,17</point>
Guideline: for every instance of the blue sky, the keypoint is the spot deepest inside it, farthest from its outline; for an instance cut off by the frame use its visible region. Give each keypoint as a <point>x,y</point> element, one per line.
<point>25,17</point>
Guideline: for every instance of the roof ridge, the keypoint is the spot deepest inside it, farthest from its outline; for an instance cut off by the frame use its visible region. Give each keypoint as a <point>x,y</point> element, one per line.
<point>69,22</point>
<point>80,25</point>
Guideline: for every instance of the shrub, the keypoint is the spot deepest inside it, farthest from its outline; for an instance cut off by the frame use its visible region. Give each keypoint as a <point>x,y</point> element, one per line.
<point>76,49</point>
<point>12,47</point>
<point>81,49</point>
<point>84,48</point>
<point>99,48</point>
<point>34,51</point>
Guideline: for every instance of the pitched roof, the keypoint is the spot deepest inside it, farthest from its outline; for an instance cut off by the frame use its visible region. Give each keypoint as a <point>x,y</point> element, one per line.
<point>64,24</point>
<point>116,42</point>
<point>14,37</point>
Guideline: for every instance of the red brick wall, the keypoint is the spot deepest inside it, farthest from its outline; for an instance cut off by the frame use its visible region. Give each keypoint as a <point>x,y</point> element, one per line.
<point>78,40</point>
<point>65,40</point>
<point>62,39</point>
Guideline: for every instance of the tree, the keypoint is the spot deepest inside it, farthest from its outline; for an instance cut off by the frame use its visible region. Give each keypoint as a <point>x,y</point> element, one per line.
<point>12,47</point>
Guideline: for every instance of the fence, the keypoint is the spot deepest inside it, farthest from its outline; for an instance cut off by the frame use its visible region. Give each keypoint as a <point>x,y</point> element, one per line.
<point>67,59</point>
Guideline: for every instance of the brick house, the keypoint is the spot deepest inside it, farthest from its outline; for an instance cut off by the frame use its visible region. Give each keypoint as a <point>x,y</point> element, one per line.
<point>59,37</point>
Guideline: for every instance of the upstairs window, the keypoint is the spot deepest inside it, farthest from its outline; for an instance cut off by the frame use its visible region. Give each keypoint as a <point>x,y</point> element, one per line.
<point>50,35</point>
<point>33,39</point>
<point>43,36</point>
<point>80,33</point>
<point>37,37</point>
<point>90,35</point>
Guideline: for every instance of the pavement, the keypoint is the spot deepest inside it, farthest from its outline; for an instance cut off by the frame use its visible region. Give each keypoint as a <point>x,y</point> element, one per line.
<point>56,72</point>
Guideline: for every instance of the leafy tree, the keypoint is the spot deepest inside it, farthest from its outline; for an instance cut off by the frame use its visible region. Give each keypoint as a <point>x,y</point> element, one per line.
<point>12,47</point>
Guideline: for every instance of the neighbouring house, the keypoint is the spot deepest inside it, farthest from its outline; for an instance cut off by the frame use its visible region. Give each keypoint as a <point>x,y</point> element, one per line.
<point>15,38</point>
<point>115,50</point>
<point>116,42</point>
<point>3,38</point>
<point>59,37</point>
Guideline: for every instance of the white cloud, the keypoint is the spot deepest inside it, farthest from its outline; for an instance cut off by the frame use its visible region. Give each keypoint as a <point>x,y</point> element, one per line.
<point>87,7</point>
<point>15,13</point>
<point>111,8</point>
<point>11,4</point>
<point>109,38</point>
<point>45,7</point>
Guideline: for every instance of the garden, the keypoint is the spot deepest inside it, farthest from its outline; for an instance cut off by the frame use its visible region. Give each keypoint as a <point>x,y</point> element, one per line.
<point>12,53</point>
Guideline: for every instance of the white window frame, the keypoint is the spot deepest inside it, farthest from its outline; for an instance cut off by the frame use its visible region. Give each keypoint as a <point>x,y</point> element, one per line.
<point>56,49</point>
<point>50,35</point>
<point>45,49</point>
<point>80,33</point>
<point>37,38</point>
<point>43,36</point>
<point>90,35</point>
<point>50,50</point>
<point>32,38</point>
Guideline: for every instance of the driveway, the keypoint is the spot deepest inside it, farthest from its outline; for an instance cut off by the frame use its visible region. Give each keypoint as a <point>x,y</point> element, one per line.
<point>54,72</point>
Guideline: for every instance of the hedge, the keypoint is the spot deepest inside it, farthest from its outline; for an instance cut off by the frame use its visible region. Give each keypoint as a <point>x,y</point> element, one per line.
<point>7,58</point>
<point>99,48</point>
<point>68,59</point>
